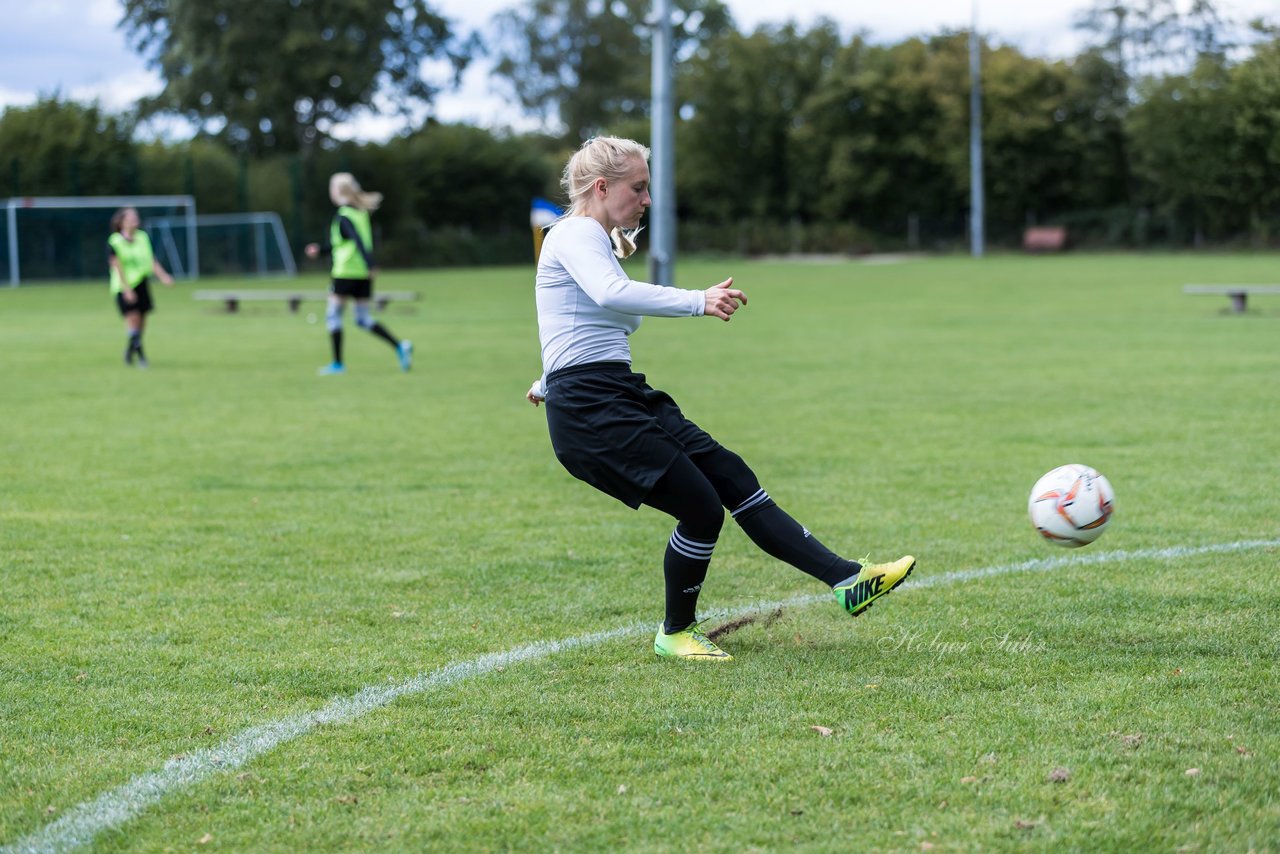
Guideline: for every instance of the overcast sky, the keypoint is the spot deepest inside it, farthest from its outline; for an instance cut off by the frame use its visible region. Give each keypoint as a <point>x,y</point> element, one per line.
<point>74,46</point>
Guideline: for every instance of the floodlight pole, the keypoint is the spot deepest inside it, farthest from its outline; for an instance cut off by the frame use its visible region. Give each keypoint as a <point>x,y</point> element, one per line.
<point>976,199</point>
<point>662,236</point>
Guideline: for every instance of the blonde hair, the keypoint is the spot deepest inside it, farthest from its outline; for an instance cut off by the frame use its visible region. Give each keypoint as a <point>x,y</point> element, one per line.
<point>607,157</point>
<point>344,189</point>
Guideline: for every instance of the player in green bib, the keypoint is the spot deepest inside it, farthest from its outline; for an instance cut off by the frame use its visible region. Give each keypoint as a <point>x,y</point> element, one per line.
<point>351,242</point>
<point>132,263</point>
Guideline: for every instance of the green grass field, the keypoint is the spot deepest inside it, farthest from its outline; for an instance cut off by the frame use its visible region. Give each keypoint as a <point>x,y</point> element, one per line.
<point>227,541</point>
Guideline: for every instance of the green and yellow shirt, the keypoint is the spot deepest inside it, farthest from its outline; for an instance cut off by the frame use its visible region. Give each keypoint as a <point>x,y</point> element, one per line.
<point>348,259</point>
<point>135,256</point>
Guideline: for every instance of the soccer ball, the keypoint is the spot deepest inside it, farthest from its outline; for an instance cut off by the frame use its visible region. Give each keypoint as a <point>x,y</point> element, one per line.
<point>1071,505</point>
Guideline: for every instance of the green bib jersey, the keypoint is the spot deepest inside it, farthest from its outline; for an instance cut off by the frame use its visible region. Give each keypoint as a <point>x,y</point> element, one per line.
<point>348,261</point>
<point>135,257</point>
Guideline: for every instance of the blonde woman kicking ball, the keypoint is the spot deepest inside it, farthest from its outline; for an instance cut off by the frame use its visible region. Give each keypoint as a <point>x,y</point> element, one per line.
<point>612,430</point>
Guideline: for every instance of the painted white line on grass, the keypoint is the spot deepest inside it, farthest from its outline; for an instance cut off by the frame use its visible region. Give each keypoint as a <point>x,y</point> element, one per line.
<point>1078,559</point>
<point>79,825</point>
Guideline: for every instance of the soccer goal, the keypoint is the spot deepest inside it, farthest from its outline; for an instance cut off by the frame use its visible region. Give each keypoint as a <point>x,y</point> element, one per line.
<point>239,244</point>
<point>65,237</point>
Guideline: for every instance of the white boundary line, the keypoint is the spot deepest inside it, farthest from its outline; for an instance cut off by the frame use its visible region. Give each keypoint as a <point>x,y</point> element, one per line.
<point>80,824</point>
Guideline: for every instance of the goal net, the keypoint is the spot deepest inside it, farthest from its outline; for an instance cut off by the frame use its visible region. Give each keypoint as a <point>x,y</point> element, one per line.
<point>242,244</point>
<point>65,237</point>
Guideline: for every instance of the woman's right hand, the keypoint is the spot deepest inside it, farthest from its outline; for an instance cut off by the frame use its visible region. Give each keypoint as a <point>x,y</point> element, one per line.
<point>722,300</point>
<point>534,395</point>
<point>130,296</point>
<point>312,250</point>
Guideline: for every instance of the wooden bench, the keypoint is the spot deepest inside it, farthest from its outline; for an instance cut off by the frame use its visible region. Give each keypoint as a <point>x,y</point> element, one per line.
<point>1239,294</point>
<point>1047,238</point>
<point>294,299</point>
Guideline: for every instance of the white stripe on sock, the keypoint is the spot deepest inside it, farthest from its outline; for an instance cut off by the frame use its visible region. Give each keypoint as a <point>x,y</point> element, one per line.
<point>692,549</point>
<point>760,497</point>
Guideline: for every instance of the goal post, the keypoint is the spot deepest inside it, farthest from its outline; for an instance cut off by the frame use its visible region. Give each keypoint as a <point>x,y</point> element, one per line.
<point>242,244</point>
<point>64,237</point>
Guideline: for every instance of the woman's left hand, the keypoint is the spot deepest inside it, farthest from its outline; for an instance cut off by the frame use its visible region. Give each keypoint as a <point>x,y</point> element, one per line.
<point>723,300</point>
<point>534,395</point>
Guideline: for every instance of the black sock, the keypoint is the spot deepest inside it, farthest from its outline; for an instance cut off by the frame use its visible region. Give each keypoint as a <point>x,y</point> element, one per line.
<point>381,331</point>
<point>133,347</point>
<point>137,345</point>
<point>777,534</point>
<point>335,338</point>
<point>685,568</point>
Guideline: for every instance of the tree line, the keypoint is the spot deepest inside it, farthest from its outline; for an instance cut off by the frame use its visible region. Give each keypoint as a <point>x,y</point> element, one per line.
<point>1163,130</point>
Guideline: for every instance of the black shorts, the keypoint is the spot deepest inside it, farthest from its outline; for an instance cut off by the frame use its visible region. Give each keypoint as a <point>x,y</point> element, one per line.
<point>144,305</point>
<point>611,429</point>
<point>358,288</point>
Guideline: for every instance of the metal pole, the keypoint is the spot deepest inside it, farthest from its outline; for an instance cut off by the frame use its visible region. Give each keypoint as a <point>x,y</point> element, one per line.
<point>662,241</point>
<point>286,251</point>
<point>13,244</point>
<point>976,199</point>
<point>260,246</point>
<point>193,245</point>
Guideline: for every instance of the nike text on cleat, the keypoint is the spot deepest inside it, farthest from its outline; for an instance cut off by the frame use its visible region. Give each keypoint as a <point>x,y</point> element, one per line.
<point>872,582</point>
<point>330,370</point>
<point>405,351</point>
<point>688,643</point>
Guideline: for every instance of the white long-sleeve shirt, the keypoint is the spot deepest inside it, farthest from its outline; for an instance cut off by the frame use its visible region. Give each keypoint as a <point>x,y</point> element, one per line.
<point>587,306</point>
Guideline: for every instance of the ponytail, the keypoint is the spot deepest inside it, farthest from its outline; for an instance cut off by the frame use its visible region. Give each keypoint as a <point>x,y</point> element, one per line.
<point>624,242</point>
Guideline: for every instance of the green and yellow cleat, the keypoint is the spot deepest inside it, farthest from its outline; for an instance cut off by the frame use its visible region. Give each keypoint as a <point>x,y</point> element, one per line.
<point>873,581</point>
<point>688,643</point>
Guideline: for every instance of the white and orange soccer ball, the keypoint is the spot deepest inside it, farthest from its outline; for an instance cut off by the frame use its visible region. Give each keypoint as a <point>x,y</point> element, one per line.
<point>1072,505</point>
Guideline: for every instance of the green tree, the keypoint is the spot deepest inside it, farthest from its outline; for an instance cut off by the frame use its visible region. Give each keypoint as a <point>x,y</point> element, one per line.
<point>58,148</point>
<point>884,132</point>
<point>586,62</point>
<point>455,175</point>
<point>201,167</point>
<point>1054,138</point>
<point>268,74</point>
<point>741,95</point>
<point>1182,137</point>
<point>1095,107</point>
<point>1254,97</point>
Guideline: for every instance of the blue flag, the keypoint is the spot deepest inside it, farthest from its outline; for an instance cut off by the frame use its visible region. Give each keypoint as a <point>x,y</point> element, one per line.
<point>543,213</point>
